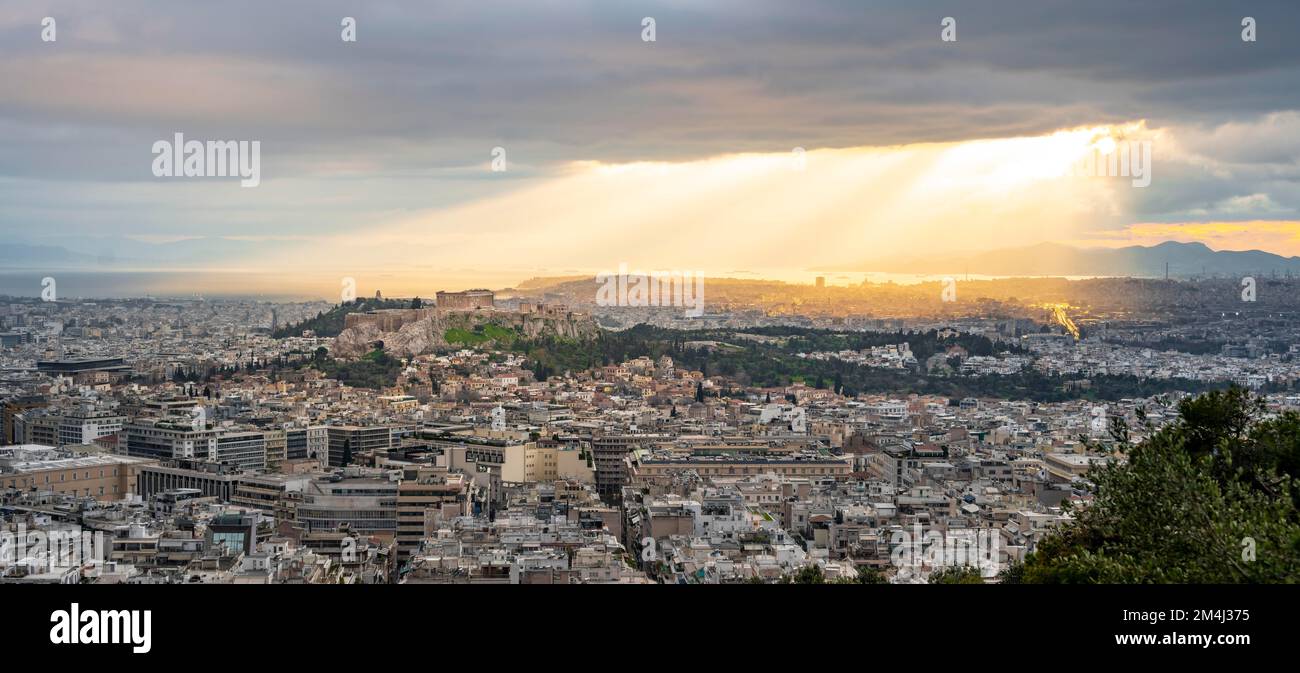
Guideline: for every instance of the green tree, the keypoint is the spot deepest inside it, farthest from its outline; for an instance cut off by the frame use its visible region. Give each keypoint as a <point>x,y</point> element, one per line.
<point>956,575</point>
<point>810,574</point>
<point>1012,574</point>
<point>870,576</point>
<point>1207,499</point>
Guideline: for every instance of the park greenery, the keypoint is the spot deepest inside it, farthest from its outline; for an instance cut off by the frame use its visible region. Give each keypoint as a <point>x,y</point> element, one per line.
<point>330,323</point>
<point>374,370</point>
<point>775,363</point>
<point>768,357</point>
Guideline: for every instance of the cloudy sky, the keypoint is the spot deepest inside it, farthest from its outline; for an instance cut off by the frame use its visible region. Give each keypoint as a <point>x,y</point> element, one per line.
<point>674,154</point>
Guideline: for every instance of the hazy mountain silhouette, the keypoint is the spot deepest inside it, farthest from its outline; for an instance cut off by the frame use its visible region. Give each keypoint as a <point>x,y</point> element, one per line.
<point>1053,259</point>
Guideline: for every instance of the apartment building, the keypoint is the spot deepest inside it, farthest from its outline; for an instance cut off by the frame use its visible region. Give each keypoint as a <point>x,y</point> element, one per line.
<point>266,491</point>
<point>168,438</point>
<point>346,441</point>
<point>609,455</point>
<point>84,426</point>
<point>277,448</point>
<point>307,443</point>
<point>426,497</point>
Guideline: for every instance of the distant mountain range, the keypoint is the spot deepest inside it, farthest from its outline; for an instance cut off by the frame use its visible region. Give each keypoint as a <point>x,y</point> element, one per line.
<point>1052,259</point>
<point>1043,259</point>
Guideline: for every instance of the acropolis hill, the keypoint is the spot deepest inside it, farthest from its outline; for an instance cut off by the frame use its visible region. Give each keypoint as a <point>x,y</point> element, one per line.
<point>415,331</point>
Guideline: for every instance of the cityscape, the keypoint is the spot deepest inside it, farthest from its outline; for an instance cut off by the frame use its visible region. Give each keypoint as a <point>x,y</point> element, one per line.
<point>754,294</point>
<point>500,437</point>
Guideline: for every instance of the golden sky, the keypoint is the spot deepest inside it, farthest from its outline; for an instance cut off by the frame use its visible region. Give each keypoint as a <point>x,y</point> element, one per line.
<point>764,212</point>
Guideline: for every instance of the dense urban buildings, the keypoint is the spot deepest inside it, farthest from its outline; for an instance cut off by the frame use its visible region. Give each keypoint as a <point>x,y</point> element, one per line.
<point>205,449</point>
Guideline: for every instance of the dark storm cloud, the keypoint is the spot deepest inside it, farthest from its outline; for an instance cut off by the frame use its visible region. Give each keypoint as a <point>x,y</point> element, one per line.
<point>429,88</point>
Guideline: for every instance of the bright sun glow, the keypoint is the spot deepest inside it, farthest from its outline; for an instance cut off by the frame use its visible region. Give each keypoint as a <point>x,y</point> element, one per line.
<point>771,211</point>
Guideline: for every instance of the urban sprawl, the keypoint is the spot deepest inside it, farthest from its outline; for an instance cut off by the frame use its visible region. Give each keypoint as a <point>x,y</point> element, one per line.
<point>455,440</point>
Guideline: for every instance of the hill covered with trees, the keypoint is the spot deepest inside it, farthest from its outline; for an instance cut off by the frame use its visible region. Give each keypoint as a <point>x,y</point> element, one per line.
<point>330,323</point>
<point>774,362</point>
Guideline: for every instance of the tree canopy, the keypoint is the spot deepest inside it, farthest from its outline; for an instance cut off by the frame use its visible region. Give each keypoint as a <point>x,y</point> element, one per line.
<point>1210,498</point>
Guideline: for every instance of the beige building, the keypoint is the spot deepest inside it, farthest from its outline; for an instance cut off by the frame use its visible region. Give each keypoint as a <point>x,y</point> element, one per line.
<point>102,476</point>
<point>530,463</point>
<point>546,464</point>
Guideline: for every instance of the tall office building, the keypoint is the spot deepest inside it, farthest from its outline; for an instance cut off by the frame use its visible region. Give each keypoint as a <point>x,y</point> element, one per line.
<point>245,450</point>
<point>83,426</point>
<point>610,457</point>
